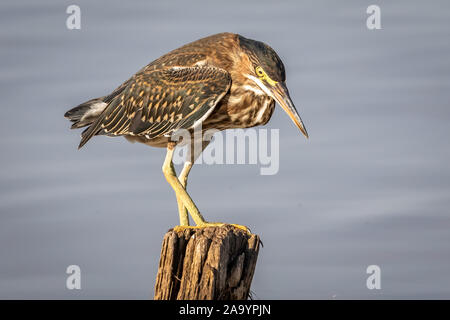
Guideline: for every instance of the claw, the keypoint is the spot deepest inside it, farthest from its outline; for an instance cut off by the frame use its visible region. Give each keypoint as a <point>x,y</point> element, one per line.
<point>212,224</point>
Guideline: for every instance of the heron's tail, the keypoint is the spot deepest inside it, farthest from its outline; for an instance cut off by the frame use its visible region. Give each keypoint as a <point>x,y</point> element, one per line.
<point>84,115</point>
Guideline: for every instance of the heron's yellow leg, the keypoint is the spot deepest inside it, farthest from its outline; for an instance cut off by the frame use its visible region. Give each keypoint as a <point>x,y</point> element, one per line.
<point>180,192</point>
<point>184,198</point>
<point>184,216</point>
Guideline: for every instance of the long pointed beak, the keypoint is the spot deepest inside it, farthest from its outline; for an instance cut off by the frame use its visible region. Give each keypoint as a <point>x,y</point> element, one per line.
<point>281,94</point>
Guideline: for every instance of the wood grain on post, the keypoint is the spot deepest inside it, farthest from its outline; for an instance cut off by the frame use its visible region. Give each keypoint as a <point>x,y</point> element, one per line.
<point>213,263</point>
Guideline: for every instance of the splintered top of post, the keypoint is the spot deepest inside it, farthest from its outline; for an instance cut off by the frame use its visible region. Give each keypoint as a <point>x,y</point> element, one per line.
<point>212,263</point>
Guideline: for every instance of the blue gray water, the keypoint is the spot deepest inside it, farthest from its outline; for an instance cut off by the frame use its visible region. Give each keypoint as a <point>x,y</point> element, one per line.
<point>370,186</point>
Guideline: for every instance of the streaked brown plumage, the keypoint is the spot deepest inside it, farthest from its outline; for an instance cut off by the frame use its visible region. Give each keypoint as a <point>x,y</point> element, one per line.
<point>223,81</point>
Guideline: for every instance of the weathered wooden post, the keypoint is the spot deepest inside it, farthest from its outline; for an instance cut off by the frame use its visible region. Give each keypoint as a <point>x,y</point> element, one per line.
<point>213,263</point>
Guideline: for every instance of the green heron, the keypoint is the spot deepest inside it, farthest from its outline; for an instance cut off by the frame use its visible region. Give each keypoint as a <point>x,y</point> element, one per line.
<point>223,81</point>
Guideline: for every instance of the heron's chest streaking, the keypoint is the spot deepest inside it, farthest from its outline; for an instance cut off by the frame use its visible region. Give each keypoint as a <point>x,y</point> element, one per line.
<point>245,106</point>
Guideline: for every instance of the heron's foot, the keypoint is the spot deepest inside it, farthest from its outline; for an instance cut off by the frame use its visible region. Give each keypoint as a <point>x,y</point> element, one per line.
<point>211,224</point>
<point>221,224</point>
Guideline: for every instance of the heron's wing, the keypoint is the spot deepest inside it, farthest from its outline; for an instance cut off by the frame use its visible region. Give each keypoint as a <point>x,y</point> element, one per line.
<point>158,102</point>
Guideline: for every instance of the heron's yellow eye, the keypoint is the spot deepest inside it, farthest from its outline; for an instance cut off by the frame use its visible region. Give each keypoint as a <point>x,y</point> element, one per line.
<point>263,76</point>
<point>260,72</point>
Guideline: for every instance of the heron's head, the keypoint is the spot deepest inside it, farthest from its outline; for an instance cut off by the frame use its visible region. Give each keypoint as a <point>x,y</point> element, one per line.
<point>267,72</point>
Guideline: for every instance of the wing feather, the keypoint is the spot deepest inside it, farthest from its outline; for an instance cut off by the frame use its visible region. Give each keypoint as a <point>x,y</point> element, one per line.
<point>157,102</point>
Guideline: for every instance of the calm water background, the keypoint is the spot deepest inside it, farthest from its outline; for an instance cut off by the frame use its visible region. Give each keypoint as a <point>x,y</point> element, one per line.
<point>371,186</point>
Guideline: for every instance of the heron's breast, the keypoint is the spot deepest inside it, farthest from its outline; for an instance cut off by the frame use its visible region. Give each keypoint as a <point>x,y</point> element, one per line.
<point>241,110</point>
